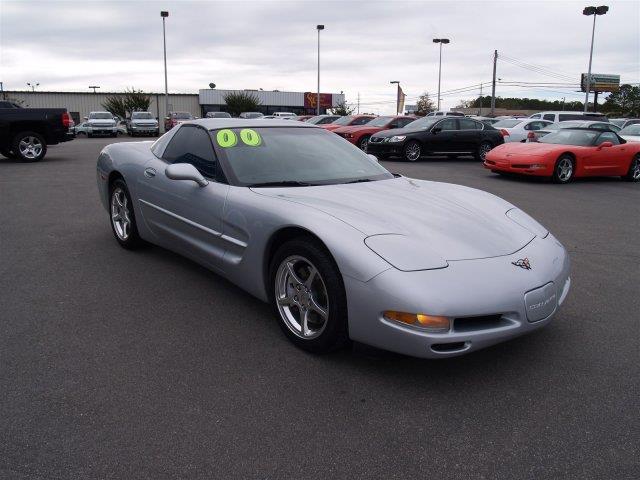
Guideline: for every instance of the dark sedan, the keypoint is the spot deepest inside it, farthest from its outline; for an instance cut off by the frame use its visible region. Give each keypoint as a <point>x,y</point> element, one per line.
<point>436,135</point>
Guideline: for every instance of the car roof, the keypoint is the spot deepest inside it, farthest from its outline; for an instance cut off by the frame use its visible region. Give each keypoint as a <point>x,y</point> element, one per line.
<point>217,123</point>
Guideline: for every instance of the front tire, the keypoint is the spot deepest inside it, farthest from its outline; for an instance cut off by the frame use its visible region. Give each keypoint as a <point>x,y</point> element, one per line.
<point>122,216</point>
<point>483,149</point>
<point>563,170</point>
<point>307,293</point>
<point>633,175</point>
<point>29,146</point>
<point>363,142</point>
<point>412,151</point>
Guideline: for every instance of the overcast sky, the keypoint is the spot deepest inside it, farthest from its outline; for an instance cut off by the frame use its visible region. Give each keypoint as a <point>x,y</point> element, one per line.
<point>271,44</point>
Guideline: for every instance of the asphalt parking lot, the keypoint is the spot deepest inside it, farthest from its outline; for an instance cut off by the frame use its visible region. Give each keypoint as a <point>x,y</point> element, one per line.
<point>118,364</point>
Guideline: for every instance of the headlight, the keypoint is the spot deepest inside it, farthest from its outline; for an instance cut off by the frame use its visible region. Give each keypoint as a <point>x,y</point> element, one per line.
<point>397,138</point>
<point>527,222</point>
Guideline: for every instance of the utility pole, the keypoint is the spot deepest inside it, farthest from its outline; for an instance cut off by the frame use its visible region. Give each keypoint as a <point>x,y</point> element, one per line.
<point>358,103</point>
<point>440,41</point>
<point>318,27</point>
<point>480,111</point>
<point>164,15</point>
<point>493,83</point>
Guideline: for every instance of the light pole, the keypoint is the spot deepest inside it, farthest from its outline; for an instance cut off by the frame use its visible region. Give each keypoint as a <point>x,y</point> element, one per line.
<point>595,11</point>
<point>440,41</point>
<point>94,87</point>
<point>397,95</point>
<point>164,15</point>
<point>318,27</point>
<point>33,86</point>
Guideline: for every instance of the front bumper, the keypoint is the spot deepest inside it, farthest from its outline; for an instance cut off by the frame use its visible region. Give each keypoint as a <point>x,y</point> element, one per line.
<point>102,130</point>
<point>524,166</point>
<point>490,300</point>
<point>385,148</point>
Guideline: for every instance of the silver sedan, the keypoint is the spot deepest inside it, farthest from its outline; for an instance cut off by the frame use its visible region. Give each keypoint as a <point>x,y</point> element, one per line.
<point>341,248</point>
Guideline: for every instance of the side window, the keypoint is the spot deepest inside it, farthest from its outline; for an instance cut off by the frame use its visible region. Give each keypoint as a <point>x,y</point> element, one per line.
<point>402,122</point>
<point>467,124</point>
<point>361,121</point>
<point>551,117</point>
<point>395,124</point>
<point>537,115</point>
<point>535,125</point>
<point>608,137</point>
<point>192,145</point>
<point>448,124</point>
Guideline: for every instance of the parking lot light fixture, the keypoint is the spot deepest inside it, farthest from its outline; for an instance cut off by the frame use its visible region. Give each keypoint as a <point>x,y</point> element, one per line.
<point>164,15</point>
<point>440,41</point>
<point>595,11</point>
<point>318,28</point>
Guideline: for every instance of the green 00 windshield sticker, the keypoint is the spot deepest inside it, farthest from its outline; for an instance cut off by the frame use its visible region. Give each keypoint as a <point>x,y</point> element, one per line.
<point>226,138</point>
<point>250,137</point>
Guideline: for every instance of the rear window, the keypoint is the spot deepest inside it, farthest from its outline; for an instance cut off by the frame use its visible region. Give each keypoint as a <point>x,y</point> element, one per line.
<point>507,123</point>
<point>579,116</point>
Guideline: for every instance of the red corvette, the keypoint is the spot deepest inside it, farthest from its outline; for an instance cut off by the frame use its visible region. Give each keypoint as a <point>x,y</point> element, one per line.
<point>568,153</point>
<point>359,134</point>
<point>348,120</point>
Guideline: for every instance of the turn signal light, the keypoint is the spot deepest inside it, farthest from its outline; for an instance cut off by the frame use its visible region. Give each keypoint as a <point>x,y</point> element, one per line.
<point>432,323</point>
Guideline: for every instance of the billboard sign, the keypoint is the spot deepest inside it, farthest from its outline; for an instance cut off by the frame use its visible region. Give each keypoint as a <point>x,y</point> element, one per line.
<point>311,100</point>
<point>600,82</point>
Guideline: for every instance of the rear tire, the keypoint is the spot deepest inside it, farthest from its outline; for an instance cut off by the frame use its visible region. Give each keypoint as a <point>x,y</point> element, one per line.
<point>563,170</point>
<point>412,151</point>
<point>307,294</point>
<point>483,149</point>
<point>633,175</point>
<point>122,216</point>
<point>29,146</point>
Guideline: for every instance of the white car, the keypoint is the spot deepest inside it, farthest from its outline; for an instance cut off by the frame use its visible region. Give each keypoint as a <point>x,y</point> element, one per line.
<point>101,123</point>
<point>444,114</point>
<point>517,129</point>
<point>555,117</point>
<point>81,129</point>
<point>631,133</point>
<point>143,123</point>
<point>283,114</point>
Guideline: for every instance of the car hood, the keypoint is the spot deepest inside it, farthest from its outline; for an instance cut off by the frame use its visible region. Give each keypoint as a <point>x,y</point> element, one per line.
<point>101,121</point>
<point>358,129</point>
<point>631,138</point>
<point>529,149</point>
<point>144,121</point>
<point>398,131</point>
<point>452,221</point>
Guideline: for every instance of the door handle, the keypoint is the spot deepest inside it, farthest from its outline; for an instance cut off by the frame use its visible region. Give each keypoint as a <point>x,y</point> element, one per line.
<point>150,172</point>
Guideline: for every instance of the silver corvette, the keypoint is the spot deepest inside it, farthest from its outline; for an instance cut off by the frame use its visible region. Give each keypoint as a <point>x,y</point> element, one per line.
<point>341,248</point>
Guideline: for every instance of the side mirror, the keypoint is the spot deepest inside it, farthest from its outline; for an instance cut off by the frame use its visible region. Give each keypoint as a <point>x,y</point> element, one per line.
<point>605,145</point>
<point>372,157</point>
<point>185,171</point>
<point>436,129</point>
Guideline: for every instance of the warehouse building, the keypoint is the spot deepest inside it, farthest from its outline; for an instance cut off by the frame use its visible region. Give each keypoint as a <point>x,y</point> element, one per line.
<point>79,104</point>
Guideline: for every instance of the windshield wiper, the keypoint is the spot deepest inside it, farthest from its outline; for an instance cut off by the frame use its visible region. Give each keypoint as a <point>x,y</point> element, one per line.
<point>360,180</point>
<point>282,183</point>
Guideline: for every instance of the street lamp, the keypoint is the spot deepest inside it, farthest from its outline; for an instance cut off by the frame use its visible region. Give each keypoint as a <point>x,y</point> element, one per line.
<point>595,11</point>
<point>440,41</point>
<point>94,87</point>
<point>318,27</point>
<point>397,95</point>
<point>33,86</point>
<point>164,15</point>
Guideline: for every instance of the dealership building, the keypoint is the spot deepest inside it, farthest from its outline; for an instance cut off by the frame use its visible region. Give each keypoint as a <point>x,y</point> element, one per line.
<point>79,104</point>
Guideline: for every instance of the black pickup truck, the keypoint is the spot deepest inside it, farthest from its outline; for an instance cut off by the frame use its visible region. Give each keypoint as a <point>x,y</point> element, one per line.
<point>26,132</point>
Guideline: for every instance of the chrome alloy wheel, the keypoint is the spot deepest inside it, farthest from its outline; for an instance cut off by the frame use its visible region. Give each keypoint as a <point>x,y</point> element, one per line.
<point>30,147</point>
<point>564,169</point>
<point>301,296</point>
<point>635,169</point>
<point>412,151</point>
<point>363,143</point>
<point>120,216</point>
<point>483,150</point>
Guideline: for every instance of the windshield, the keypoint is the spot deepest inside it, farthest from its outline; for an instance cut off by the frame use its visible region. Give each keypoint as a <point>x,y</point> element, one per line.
<point>507,123</point>
<point>322,119</point>
<point>380,121</point>
<point>101,116</point>
<point>422,123</point>
<point>344,120</point>
<point>617,121</point>
<point>142,115</point>
<point>630,130</point>
<point>182,115</point>
<point>571,137</point>
<point>292,154</point>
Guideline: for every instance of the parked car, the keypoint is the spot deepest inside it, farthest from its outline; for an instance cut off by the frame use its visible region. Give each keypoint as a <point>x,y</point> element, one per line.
<point>268,117</point>
<point>448,135</point>
<point>359,135</point>
<point>568,153</point>
<point>218,115</point>
<point>348,120</point>
<point>485,120</point>
<point>341,248</point>
<point>283,114</point>
<point>25,133</point>
<point>441,113</point>
<point>80,129</point>
<point>556,117</point>
<point>176,118</point>
<point>303,118</point>
<point>101,124</point>
<point>143,123</point>
<point>624,122</point>
<point>251,115</point>
<point>516,130</point>
<point>606,126</point>
<point>631,133</point>
<point>322,119</point>
<point>121,127</point>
